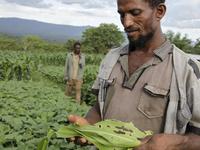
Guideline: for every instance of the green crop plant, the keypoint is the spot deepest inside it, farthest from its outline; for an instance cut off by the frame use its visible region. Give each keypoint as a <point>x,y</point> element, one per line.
<point>28,109</point>
<point>18,66</point>
<point>105,135</point>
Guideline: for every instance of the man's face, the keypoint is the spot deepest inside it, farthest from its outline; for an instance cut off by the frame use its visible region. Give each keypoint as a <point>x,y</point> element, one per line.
<point>138,19</point>
<point>77,49</point>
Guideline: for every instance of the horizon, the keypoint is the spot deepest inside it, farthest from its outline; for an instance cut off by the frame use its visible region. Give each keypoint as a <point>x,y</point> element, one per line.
<point>181,16</point>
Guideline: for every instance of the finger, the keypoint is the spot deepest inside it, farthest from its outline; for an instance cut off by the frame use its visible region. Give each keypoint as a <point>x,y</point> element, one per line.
<point>81,121</point>
<point>83,140</point>
<point>77,120</point>
<point>146,139</point>
<point>72,139</point>
<point>71,118</point>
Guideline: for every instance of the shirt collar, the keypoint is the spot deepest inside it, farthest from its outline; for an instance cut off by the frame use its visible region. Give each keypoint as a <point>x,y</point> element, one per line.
<point>161,52</point>
<point>124,50</point>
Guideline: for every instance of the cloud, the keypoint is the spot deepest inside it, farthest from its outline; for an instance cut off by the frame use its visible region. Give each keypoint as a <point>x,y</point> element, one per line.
<point>30,3</point>
<point>45,4</point>
<point>183,14</point>
<point>91,3</point>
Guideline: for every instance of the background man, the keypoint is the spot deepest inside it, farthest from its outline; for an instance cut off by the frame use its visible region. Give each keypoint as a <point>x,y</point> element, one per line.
<point>73,74</point>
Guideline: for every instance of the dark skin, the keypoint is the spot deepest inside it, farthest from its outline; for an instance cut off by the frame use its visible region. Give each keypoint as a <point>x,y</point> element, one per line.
<point>141,20</point>
<point>77,49</point>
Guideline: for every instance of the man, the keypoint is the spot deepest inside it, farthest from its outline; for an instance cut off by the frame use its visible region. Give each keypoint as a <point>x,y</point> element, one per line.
<point>73,74</point>
<point>149,82</point>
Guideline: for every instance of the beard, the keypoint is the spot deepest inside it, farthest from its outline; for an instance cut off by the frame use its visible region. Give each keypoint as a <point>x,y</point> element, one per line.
<point>140,42</point>
<point>77,52</point>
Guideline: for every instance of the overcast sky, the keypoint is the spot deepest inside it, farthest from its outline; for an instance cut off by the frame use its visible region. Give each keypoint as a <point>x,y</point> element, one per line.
<point>182,15</point>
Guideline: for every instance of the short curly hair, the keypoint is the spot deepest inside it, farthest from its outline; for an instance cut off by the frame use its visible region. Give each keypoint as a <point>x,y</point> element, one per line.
<point>77,43</point>
<point>154,3</point>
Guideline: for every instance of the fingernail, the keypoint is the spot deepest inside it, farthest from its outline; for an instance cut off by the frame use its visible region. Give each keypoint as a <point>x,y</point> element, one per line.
<point>70,117</point>
<point>83,140</point>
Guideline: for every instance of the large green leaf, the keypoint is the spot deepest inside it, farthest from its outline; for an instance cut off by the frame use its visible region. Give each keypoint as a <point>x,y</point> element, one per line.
<point>107,135</point>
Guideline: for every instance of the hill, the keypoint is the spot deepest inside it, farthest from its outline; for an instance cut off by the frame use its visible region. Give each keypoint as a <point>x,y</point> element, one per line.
<point>48,31</point>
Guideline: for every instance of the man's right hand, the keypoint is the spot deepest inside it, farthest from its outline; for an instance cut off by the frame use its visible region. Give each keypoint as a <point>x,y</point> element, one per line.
<point>81,122</point>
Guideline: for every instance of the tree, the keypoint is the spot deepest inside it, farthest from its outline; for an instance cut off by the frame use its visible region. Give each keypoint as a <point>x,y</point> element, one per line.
<point>32,42</point>
<point>9,43</point>
<point>100,39</point>
<point>68,46</point>
<point>180,41</point>
<point>196,48</point>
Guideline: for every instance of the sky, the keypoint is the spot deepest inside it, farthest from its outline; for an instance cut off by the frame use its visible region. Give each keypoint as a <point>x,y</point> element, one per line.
<point>182,15</point>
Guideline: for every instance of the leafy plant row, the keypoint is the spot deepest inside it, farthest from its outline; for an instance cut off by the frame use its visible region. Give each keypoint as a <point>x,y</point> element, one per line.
<point>53,73</point>
<point>28,110</point>
<point>55,58</point>
<point>16,66</point>
<point>60,58</point>
<point>89,77</point>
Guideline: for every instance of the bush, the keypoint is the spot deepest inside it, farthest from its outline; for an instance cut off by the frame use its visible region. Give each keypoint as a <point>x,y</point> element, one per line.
<point>89,77</point>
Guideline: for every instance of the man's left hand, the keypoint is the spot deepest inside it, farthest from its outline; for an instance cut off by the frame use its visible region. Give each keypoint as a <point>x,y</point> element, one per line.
<point>163,142</point>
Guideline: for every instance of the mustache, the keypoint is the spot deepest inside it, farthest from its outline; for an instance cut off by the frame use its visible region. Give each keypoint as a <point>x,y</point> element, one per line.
<point>132,29</point>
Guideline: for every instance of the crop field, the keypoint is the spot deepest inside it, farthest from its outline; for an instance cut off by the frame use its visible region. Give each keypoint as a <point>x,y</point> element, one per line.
<point>32,99</point>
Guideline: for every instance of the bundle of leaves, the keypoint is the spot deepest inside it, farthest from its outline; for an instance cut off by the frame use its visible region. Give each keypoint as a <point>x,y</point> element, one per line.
<point>105,135</point>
